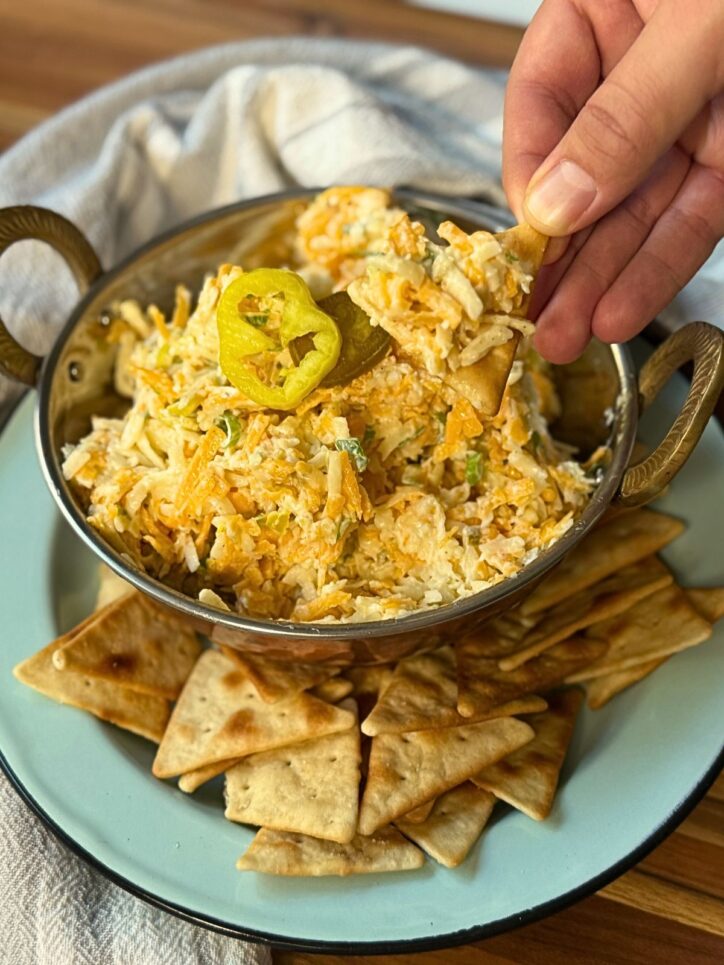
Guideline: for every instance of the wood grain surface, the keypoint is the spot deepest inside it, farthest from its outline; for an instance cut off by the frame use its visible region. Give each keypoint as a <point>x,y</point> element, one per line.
<point>670,908</point>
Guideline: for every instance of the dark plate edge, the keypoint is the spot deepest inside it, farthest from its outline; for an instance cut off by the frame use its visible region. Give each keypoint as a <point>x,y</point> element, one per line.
<point>436,943</point>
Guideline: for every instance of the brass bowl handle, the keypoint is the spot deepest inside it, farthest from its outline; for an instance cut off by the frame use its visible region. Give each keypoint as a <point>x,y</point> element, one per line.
<point>28,223</point>
<point>702,344</point>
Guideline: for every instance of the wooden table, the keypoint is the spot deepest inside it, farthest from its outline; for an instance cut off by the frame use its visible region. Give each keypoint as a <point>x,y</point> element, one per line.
<point>671,907</point>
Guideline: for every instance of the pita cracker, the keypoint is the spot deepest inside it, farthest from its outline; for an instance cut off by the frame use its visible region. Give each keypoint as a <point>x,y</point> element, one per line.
<point>600,690</point>
<point>606,599</point>
<point>134,643</point>
<point>276,679</point>
<point>528,777</point>
<point>482,684</point>
<point>453,826</point>
<point>623,540</point>
<point>110,586</point>
<point>708,602</point>
<point>281,853</point>
<point>192,780</point>
<point>310,788</point>
<point>419,814</point>
<point>333,690</point>
<point>141,714</point>
<point>405,770</point>
<point>422,695</point>
<point>220,715</point>
<point>659,625</point>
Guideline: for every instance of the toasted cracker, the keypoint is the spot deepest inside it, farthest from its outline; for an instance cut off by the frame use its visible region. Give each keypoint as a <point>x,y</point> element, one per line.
<point>139,713</point>
<point>528,777</point>
<point>277,680</point>
<point>600,690</point>
<point>405,770</point>
<point>192,780</point>
<point>110,586</point>
<point>606,599</point>
<point>370,679</point>
<point>282,853</point>
<point>310,788</point>
<point>483,685</point>
<point>453,826</point>
<point>422,694</point>
<point>708,602</point>
<point>419,814</point>
<point>333,690</point>
<point>659,625</point>
<point>623,540</point>
<point>135,643</point>
<point>220,715</point>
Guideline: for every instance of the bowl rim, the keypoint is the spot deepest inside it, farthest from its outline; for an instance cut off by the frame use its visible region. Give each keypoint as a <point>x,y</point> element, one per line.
<point>626,418</point>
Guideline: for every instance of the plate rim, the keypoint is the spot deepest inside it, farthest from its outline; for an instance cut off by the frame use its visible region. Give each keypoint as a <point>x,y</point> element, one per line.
<point>433,943</point>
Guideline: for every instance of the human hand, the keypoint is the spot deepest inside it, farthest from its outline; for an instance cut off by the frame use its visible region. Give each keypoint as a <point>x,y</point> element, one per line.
<point>614,143</point>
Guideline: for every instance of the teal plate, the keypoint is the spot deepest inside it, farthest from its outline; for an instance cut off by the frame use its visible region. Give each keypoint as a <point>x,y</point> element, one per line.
<point>634,769</point>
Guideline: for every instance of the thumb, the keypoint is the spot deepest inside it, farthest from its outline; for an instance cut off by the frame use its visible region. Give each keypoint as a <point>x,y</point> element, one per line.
<point>631,120</point>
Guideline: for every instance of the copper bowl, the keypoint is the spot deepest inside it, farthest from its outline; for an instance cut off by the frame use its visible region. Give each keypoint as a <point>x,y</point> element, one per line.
<point>601,398</point>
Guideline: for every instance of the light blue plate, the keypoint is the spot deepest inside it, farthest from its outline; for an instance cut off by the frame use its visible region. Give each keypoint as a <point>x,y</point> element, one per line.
<point>633,771</point>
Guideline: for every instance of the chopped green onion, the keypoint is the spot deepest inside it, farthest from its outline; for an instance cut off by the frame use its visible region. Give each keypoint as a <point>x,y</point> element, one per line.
<point>368,436</point>
<point>535,439</point>
<point>511,257</point>
<point>231,426</point>
<point>185,406</point>
<point>473,468</point>
<point>415,435</point>
<point>441,417</point>
<point>354,448</point>
<point>257,320</point>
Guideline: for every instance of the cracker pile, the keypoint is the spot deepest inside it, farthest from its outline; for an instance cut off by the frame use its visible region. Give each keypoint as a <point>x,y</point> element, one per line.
<point>352,770</point>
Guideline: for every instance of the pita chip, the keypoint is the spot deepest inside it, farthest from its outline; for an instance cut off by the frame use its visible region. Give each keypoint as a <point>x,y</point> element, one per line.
<point>482,684</point>
<point>422,695</point>
<point>220,716</point>
<point>276,679</point>
<point>282,853</point>
<point>310,788</point>
<point>623,540</point>
<point>659,625</point>
<point>611,596</point>
<point>708,602</point>
<point>140,713</point>
<point>600,690</point>
<point>453,826</point>
<point>528,777</point>
<point>333,690</point>
<point>406,770</point>
<point>135,643</point>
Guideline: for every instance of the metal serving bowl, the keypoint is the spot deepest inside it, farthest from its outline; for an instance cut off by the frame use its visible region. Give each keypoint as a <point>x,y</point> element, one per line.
<point>600,393</point>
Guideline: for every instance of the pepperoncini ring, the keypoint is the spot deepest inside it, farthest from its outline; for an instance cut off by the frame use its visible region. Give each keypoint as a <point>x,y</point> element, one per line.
<point>240,339</point>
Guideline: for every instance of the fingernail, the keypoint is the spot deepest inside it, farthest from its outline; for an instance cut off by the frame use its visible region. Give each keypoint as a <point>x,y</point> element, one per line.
<point>558,200</point>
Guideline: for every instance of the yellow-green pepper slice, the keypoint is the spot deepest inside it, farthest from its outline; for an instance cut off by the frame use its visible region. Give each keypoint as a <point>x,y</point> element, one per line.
<point>300,316</point>
<point>363,344</point>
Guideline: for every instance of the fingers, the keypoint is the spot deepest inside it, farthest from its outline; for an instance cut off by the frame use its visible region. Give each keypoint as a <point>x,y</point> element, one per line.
<point>564,325</point>
<point>679,244</point>
<point>556,69</point>
<point>632,118</point>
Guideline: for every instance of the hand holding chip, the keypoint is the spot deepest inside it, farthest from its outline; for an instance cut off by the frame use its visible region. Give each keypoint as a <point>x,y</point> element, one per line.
<point>631,167</point>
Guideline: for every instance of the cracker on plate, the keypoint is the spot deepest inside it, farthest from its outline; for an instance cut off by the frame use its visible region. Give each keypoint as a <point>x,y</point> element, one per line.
<point>282,853</point>
<point>277,679</point>
<point>406,770</point>
<point>454,824</point>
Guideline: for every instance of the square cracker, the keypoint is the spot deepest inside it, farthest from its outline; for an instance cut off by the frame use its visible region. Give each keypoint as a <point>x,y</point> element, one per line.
<point>422,695</point>
<point>277,679</point>
<point>406,770</point>
<point>611,596</point>
<point>623,540</point>
<point>282,853</point>
<point>659,625</point>
<point>528,777</point>
<point>220,716</point>
<point>482,684</point>
<point>453,826</point>
<point>135,643</point>
<point>310,788</point>
<point>139,713</point>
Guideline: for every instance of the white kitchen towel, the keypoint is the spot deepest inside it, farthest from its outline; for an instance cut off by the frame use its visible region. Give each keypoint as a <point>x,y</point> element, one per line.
<point>138,157</point>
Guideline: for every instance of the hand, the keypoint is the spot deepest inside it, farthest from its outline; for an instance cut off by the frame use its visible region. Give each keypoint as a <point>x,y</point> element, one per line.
<point>614,136</point>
